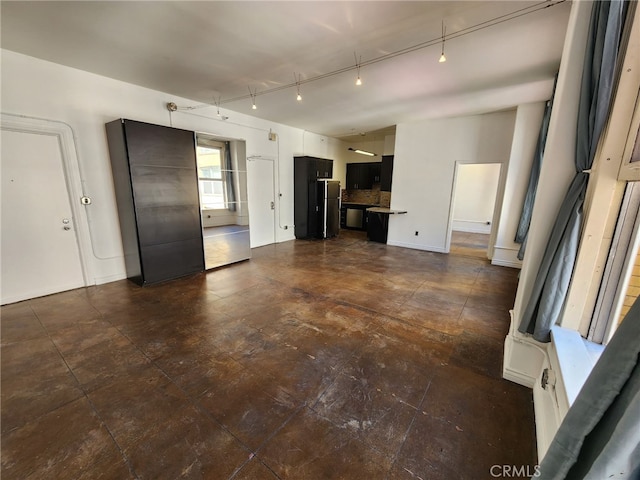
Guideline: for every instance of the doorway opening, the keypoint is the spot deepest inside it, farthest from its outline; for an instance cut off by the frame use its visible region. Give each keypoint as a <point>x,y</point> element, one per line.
<point>473,209</point>
<point>223,205</point>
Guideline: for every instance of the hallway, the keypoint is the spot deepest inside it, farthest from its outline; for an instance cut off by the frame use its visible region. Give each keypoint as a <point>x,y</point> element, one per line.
<point>315,359</point>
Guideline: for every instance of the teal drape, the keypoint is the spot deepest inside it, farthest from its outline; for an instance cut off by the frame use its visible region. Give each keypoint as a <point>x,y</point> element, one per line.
<point>534,175</point>
<point>229,174</point>
<point>598,75</point>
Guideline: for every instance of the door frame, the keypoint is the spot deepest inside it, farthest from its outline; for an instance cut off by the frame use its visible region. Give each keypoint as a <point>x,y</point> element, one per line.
<point>73,177</point>
<point>497,207</point>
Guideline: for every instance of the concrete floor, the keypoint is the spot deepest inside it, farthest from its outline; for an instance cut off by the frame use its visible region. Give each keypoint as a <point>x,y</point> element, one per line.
<point>337,359</point>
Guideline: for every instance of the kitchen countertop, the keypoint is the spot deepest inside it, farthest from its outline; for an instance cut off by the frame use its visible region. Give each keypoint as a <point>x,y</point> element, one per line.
<point>386,211</point>
<point>360,204</point>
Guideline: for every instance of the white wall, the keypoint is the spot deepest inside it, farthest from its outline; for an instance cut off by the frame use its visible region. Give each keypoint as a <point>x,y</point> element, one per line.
<point>525,138</point>
<point>389,145</point>
<point>424,163</point>
<point>475,197</point>
<point>86,101</point>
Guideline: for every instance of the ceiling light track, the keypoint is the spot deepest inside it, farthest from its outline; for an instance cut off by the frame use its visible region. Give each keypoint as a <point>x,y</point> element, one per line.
<point>419,46</point>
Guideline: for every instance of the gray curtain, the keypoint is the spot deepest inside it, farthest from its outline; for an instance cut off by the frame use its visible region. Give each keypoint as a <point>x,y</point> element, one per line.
<point>599,437</point>
<point>599,71</point>
<point>231,189</point>
<point>530,197</point>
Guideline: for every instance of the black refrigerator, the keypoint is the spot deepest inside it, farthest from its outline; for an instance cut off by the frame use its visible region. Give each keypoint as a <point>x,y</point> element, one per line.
<point>328,208</point>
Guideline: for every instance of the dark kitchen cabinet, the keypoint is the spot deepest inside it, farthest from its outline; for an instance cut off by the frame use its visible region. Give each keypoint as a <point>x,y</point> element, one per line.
<point>377,227</point>
<point>156,186</point>
<point>324,168</point>
<point>306,172</point>
<point>362,176</point>
<point>386,173</point>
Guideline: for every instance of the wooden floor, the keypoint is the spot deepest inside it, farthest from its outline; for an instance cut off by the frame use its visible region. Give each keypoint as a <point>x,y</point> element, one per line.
<point>337,359</point>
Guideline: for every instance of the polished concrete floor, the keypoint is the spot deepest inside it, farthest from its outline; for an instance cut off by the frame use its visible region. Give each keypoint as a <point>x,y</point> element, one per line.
<point>469,244</point>
<point>336,359</point>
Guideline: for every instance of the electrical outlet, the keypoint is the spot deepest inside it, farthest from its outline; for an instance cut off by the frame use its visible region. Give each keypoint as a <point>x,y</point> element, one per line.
<point>416,233</point>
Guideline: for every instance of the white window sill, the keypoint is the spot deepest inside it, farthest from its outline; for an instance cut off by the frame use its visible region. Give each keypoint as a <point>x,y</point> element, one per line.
<point>574,358</point>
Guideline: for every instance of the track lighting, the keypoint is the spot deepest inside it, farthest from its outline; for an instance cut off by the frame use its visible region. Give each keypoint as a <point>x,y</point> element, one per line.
<point>253,98</point>
<point>297,80</point>
<point>444,32</point>
<point>363,152</point>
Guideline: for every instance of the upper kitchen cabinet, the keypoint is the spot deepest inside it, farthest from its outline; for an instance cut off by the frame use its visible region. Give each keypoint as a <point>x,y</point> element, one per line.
<point>362,176</point>
<point>386,173</point>
<point>155,180</point>
<point>315,168</point>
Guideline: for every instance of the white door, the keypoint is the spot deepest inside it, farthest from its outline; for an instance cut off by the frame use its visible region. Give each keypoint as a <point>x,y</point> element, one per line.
<point>39,253</point>
<point>261,202</point>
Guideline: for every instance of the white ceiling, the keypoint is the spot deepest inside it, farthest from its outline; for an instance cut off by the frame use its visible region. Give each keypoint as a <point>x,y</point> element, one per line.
<point>208,49</point>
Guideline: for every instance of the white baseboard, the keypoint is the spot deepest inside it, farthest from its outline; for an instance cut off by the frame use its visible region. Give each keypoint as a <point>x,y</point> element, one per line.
<point>506,257</point>
<point>110,278</point>
<point>417,246</point>
<point>471,226</point>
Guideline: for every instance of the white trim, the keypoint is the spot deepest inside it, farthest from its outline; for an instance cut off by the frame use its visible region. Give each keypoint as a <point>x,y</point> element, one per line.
<point>110,278</point>
<point>417,246</point>
<point>64,134</point>
<point>471,226</point>
<point>506,257</point>
<point>565,362</point>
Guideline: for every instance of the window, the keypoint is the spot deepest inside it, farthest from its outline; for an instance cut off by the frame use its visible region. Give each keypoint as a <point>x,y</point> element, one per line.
<point>621,280</point>
<point>211,176</point>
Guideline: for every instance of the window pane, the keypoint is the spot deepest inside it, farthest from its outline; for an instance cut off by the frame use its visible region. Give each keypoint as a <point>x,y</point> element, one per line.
<point>209,163</point>
<point>212,194</point>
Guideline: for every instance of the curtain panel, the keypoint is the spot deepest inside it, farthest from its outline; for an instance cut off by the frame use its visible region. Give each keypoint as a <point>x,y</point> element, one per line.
<point>231,189</point>
<point>532,186</point>
<point>599,72</point>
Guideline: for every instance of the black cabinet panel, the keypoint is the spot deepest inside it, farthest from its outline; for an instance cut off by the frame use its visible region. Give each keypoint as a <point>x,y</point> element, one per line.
<point>164,224</point>
<point>377,227</point>
<point>306,172</point>
<point>362,176</point>
<point>155,186</point>
<point>154,174</point>
<point>386,173</point>
<point>149,144</point>
<point>171,260</point>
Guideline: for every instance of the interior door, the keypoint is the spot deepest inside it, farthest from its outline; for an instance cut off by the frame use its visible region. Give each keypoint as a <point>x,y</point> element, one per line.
<point>261,202</point>
<point>39,253</point>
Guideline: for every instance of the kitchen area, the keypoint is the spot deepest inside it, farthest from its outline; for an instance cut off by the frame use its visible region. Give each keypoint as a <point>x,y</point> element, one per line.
<point>364,198</point>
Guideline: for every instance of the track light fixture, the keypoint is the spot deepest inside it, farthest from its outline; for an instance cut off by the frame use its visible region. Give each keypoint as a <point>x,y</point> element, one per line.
<point>444,33</point>
<point>358,62</point>
<point>216,102</point>
<point>363,152</point>
<point>253,98</point>
<point>297,80</point>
